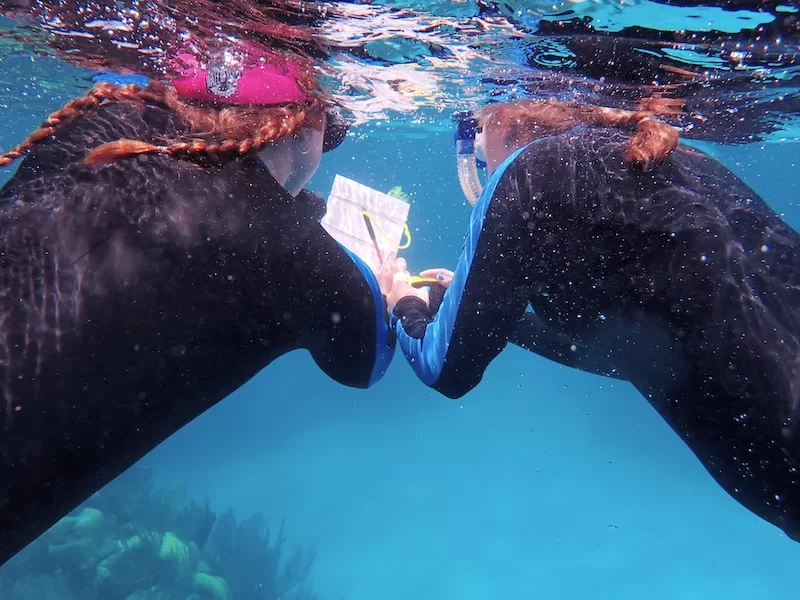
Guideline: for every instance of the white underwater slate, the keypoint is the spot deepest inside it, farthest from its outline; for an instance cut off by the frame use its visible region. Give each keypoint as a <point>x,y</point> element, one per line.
<point>344,220</point>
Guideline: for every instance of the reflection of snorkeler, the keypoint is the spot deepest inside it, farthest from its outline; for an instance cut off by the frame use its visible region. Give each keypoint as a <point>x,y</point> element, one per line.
<point>674,276</point>
<point>148,271</point>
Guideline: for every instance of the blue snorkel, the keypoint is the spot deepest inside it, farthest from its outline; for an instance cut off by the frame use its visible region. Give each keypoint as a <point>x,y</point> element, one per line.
<point>467,129</point>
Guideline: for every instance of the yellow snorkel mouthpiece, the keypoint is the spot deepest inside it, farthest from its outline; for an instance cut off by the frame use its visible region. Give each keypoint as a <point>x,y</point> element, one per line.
<point>420,282</point>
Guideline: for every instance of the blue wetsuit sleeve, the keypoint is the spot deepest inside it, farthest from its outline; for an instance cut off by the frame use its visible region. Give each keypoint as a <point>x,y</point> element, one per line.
<point>482,306</point>
<point>384,338</point>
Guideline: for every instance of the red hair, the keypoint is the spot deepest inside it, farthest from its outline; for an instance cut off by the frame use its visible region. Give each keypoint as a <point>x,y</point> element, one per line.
<point>519,123</point>
<point>243,130</point>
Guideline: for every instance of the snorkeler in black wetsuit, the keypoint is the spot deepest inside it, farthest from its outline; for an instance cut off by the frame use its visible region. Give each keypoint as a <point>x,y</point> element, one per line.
<point>678,279</point>
<point>136,294</point>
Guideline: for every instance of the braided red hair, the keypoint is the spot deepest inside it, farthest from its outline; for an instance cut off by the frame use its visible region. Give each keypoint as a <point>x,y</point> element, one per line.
<point>243,130</point>
<point>524,121</point>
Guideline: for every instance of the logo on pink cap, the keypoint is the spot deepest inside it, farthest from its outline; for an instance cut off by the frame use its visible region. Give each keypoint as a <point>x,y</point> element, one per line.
<point>223,80</point>
<point>253,78</point>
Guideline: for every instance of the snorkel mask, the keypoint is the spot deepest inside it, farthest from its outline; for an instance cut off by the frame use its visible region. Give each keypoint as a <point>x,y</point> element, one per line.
<point>294,159</point>
<point>467,137</point>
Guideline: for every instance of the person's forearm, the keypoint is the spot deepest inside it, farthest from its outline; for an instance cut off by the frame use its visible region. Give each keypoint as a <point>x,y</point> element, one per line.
<point>450,348</point>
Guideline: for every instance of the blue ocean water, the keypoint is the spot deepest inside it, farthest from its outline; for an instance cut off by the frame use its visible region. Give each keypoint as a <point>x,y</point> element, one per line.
<point>543,483</point>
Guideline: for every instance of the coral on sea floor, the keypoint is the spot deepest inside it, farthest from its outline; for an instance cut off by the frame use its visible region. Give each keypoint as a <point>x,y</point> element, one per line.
<point>133,542</point>
<point>251,558</point>
<point>212,586</point>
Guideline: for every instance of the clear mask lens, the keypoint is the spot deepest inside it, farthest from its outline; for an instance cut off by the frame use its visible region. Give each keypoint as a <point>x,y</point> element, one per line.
<point>293,160</point>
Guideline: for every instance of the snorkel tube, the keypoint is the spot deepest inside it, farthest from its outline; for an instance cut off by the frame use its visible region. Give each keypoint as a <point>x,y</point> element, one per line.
<point>467,163</point>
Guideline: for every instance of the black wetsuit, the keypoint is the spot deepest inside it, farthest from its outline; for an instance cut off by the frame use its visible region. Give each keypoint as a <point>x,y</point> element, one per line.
<point>681,281</point>
<point>136,295</point>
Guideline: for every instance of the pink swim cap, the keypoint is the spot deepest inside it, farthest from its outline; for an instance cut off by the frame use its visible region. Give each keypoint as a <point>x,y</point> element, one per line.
<point>248,77</point>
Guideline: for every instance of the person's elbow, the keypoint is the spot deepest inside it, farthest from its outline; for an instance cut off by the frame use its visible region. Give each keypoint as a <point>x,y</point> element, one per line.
<point>459,384</point>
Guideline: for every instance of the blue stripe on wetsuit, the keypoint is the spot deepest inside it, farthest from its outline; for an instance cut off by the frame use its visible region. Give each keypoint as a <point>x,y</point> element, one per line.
<point>384,347</point>
<point>427,355</point>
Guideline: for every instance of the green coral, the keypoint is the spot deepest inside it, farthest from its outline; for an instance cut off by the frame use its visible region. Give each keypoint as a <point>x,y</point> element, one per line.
<point>212,587</point>
<point>173,549</point>
<point>86,524</point>
<point>131,542</point>
<point>202,567</point>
